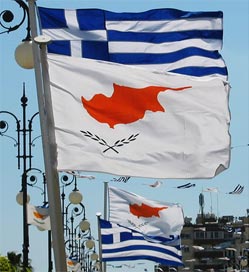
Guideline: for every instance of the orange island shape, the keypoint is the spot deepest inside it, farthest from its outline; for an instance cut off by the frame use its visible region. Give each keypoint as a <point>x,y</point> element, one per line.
<point>144,210</point>
<point>126,105</point>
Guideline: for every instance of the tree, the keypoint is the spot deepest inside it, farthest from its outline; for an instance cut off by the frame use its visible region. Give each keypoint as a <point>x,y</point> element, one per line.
<point>15,261</point>
<point>4,264</point>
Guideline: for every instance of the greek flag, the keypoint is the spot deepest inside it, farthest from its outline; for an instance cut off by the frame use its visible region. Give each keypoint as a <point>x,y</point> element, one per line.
<point>123,244</point>
<point>162,39</point>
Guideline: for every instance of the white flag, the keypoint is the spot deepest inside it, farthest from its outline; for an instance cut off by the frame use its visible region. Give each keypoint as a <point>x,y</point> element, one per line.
<point>38,216</point>
<point>211,190</point>
<point>158,220</point>
<point>73,265</point>
<point>133,122</point>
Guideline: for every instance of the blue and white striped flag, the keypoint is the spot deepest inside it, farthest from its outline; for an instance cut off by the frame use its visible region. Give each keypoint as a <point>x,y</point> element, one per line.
<point>162,39</point>
<point>123,244</point>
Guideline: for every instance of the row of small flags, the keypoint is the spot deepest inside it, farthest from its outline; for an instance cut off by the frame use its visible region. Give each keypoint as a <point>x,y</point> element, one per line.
<point>39,215</point>
<point>238,189</point>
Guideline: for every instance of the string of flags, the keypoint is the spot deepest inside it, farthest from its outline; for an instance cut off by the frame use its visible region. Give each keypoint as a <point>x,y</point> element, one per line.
<point>238,189</point>
<point>121,179</point>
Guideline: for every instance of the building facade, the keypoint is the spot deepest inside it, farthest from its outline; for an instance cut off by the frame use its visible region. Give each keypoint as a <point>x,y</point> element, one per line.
<point>214,244</point>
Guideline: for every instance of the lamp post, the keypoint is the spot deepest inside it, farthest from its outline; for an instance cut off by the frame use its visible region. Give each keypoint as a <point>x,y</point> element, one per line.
<point>24,56</point>
<point>24,143</point>
<point>79,241</point>
<point>32,182</point>
<point>23,52</point>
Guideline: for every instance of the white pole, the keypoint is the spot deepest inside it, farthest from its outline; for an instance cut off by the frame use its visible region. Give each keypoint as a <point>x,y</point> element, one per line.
<point>105,199</point>
<point>48,153</point>
<point>100,241</point>
<point>51,167</point>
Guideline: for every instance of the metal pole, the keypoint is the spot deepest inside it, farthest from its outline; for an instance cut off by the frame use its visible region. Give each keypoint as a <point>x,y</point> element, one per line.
<point>25,249</point>
<point>24,155</point>
<point>45,202</point>
<point>29,11</point>
<point>50,263</point>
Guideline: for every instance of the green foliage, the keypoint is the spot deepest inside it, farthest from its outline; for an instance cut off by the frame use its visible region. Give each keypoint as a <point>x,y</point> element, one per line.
<point>5,264</point>
<point>13,263</point>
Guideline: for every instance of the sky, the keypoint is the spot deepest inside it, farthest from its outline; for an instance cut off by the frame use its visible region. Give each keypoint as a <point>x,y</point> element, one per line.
<point>12,77</point>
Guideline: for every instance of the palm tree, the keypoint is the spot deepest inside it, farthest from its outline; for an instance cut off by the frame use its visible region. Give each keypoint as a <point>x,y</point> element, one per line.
<point>16,262</point>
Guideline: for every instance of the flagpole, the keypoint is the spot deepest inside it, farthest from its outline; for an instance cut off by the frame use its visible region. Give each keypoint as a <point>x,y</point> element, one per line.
<point>100,241</point>
<point>48,151</point>
<point>105,212</point>
<point>50,165</point>
<point>105,199</point>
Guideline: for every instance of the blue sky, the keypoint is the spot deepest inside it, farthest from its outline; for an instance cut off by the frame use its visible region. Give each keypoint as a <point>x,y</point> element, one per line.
<point>235,54</point>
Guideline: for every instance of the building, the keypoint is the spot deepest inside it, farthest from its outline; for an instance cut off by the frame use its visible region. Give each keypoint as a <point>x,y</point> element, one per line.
<point>214,244</point>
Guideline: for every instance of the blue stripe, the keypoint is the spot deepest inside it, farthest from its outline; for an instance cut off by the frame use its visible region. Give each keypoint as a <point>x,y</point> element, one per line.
<point>155,14</point>
<point>144,58</point>
<point>200,71</point>
<point>142,247</point>
<point>161,14</point>
<point>114,35</point>
<point>141,257</point>
<point>60,47</point>
<point>95,50</point>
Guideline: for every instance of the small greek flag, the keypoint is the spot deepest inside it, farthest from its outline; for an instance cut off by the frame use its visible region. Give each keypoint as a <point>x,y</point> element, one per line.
<point>123,244</point>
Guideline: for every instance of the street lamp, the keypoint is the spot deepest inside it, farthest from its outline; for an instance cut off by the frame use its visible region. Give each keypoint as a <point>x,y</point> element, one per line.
<point>24,57</point>
<point>32,182</point>
<point>23,52</point>
<point>24,143</point>
<point>79,242</point>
